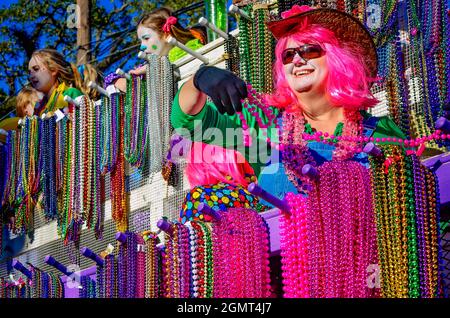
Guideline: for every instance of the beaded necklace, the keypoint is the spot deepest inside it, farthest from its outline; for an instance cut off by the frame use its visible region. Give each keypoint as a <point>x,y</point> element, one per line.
<point>119,196</point>
<point>100,283</point>
<point>165,268</point>
<point>48,149</point>
<point>184,258</point>
<point>88,288</point>
<point>14,290</point>
<point>295,151</point>
<point>12,142</point>
<point>152,268</point>
<point>30,172</point>
<point>332,235</point>
<point>171,264</point>
<point>196,258</point>
<point>240,254</point>
<point>433,239</point>
<point>75,176</point>
<point>140,268</point>
<point>400,225</point>
<point>160,94</point>
<point>422,227</point>
<point>177,269</point>
<point>244,43</point>
<point>127,267</point>
<point>256,48</point>
<point>433,197</point>
<point>64,199</point>
<point>406,206</point>
<point>46,285</point>
<point>231,54</point>
<point>109,142</point>
<point>202,265</point>
<point>61,130</point>
<point>98,184</point>
<point>209,261</point>
<point>111,277</point>
<point>294,251</point>
<point>135,128</point>
<point>415,75</point>
<point>90,173</point>
<point>412,54</point>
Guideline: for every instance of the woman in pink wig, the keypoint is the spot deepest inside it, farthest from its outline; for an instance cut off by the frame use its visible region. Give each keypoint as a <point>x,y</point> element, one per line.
<point>325,64</point>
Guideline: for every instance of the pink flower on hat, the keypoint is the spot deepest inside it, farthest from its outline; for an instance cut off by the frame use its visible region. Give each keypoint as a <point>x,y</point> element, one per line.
<point>296,9</point>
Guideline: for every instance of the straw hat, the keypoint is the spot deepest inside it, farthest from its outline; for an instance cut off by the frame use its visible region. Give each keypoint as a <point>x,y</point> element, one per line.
<point>347,29</point>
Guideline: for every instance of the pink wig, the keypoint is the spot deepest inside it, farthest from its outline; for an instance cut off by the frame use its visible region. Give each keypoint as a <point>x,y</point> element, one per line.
<point>348,82</point>
<point>211,164</point>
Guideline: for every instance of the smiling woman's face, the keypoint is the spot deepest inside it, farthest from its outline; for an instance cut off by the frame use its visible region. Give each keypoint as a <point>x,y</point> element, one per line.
<point>306,76</point>
<point>41,78</point>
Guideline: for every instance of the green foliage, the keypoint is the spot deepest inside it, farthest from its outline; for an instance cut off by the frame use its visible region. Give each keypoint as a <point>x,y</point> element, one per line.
<point>29,25</point>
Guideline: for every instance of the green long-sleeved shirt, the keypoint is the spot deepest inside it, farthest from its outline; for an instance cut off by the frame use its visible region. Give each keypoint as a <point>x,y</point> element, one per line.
<point>209,126</point>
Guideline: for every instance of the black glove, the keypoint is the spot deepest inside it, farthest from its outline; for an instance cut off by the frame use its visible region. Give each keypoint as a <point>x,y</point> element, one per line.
<point>225,89</point>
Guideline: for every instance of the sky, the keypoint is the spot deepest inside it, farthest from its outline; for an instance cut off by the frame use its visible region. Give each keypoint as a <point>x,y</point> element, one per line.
<point>106,3</point>
<point>6,3</point>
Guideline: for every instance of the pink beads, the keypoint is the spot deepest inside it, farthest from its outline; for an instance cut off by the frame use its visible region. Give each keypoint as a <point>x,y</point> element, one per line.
<point>294,253</point>
<point>329,239</point>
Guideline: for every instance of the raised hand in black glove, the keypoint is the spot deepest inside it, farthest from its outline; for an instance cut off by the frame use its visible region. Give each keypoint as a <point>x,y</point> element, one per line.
<point>225,89</point>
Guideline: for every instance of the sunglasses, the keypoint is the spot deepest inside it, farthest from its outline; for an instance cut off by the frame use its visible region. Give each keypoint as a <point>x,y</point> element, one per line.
<point>306,52</point>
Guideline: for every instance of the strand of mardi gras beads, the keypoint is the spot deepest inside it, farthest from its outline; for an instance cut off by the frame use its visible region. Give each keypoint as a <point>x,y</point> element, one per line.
<point>97,181</point>
<point>75,178</point>
<point>87,163</point>
<point>197,259</point>
<point>396,230</point>
<point>49,166</point>
<point>433,195</point>
<point>152,264</point>
<point>12,141</point>
<point>232,55</point>
<point>91,174</point>
<point>237,237</point>
<point>135,129</point>
<point>118,192</point>
<point>100,284</point>
<point>407,199</point>
<point>432,239</point>
<point>204,259</point>
<point>417,229</point>
<point>244,44</point>
<point>383,223</point>
<point>420,200</point>
<point>169,89</point>
<point>65,194</point>
<point>341,250</point>
<point>154,107</point>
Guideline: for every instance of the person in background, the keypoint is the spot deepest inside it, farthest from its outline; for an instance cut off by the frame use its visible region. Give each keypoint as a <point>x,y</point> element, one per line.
<point>26,101</point>
<point>153,29</point>
<point>52,75</point>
